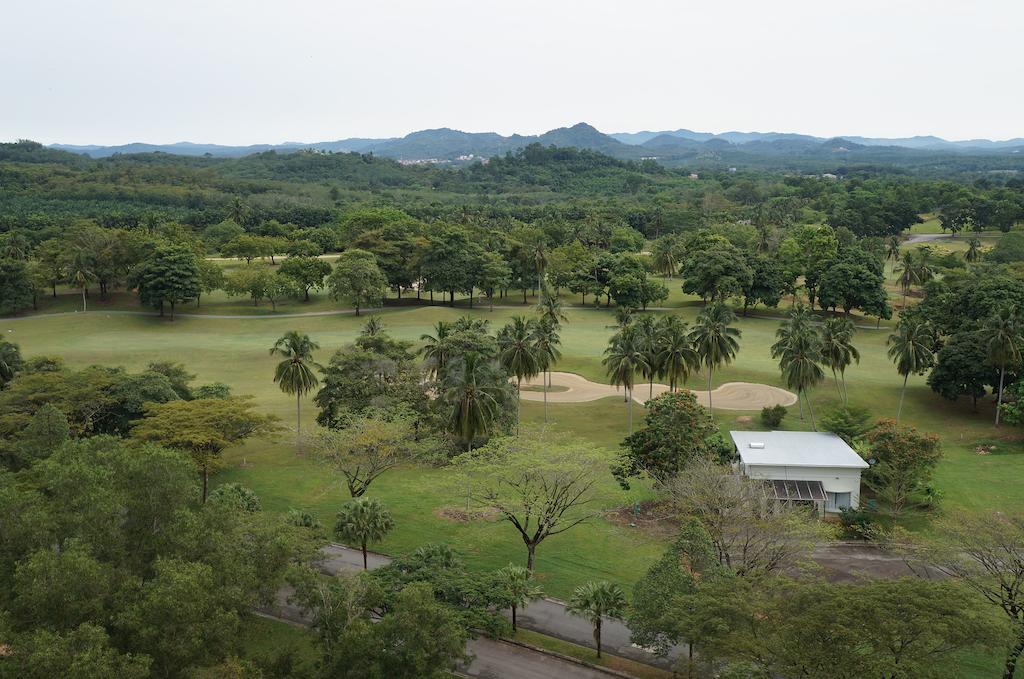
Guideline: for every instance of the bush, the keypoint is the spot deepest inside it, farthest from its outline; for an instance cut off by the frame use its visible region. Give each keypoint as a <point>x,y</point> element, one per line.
<point>236,495</point>
<point>772,416</point>
<point>858,524</point>
<point>848,422</point>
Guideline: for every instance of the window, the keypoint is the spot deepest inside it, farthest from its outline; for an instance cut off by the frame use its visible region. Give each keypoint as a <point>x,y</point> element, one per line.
<point>837,501</point>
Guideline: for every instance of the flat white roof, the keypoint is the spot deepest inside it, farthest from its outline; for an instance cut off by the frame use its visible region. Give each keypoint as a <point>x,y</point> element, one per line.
<point>795,449</point>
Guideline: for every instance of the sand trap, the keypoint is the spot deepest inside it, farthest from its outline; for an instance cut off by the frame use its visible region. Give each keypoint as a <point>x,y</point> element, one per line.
<point>729,396</point>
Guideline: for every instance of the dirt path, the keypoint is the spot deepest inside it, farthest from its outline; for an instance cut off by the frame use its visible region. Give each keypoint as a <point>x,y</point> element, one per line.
<point>729,396</point>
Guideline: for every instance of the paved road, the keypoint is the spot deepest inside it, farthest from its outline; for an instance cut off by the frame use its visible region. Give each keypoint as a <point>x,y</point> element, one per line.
<point>547,616</point>
<point>927,237</point>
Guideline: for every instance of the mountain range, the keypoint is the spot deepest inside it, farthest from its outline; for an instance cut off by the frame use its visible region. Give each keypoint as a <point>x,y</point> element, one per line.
<point>448,145</point>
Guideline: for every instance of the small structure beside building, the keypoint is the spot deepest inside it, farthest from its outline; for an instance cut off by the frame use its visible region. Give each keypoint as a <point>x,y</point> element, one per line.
<point>801,466</point>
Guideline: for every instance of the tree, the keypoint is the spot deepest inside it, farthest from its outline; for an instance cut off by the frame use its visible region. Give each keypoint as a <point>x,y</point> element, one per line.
<point>973,252</point>
<point>203,428</point>
<point>474,391</point>
<point>17,290</point>
<point>85,652</point>
<point>358,280</point>
<point>519,587</point>
<point>170,275</point>
<point>715,340</point>
<point>211,277</point>
<point>538,484</point>
<point>80,273</point>
<point>716,272</point>
<point>295,373</point>
<point>52,258</point>
<point>677,430</point>
<point>676,355</point>
<point>436,350</point>
<point>983,552</point>
<point>766,283</point>
<point>363,520</point>
<point>365,449</point>
<point>667,253</point>
<point>798,348</point>
<point>903,462</point>
<point>306,272</point>
<point>518,355</point>
<point>545,346</point>
<point>10,361</point>
<point>494,275</point>
<point>256,281</point>
<point>623,358</point>
<point>911,348</point>
<point>837,350</point>
<point>962,368</point>
<point>849,422</point>
<point>1005,347</point>
<point>595,601</point>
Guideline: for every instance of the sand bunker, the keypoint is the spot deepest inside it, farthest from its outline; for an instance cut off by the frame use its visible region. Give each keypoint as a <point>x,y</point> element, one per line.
<point>729,396</point>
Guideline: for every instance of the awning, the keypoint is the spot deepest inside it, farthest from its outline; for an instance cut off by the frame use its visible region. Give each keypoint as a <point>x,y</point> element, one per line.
<point>805,491</point>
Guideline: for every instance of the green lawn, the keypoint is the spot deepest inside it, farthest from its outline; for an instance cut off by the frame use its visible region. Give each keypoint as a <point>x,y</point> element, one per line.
<point>235,351</point>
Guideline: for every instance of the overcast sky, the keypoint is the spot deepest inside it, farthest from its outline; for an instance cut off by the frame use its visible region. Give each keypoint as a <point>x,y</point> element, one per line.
<point>252,71</point>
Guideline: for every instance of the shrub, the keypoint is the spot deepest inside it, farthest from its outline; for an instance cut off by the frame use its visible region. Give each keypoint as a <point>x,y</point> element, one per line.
<point>236,495</point>
<point>849,422</point>
<point>858,524</point>
<point>772,416</point>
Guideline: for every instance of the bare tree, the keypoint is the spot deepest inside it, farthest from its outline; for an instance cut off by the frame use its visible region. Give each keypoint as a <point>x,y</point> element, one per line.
<point>751,532</point>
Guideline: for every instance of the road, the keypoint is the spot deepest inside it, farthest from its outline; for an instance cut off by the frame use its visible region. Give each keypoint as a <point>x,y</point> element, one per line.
<point>547,616</point>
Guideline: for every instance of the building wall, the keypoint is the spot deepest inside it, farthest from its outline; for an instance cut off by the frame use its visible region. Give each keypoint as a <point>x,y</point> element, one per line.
<point>833,479</point>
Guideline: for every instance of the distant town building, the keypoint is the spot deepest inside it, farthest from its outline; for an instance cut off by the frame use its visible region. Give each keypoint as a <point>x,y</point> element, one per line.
<point>694,175</point>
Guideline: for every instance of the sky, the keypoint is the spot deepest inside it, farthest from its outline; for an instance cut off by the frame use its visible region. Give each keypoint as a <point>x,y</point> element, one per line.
<point>255,71</point>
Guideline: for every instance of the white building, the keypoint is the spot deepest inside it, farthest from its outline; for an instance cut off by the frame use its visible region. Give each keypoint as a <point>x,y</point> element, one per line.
<point>802,466</point>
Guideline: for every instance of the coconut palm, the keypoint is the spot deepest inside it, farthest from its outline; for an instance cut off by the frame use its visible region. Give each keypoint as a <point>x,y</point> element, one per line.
<point>295,373</point>
<point>649,331</point>
<point>623,317</point>
<point>676,355</point>
<point>907,270</point>
<point>374,327</point>
<point>80,273</point>
<point>838,351</point>
<point>550,308</point>
<point>715,340</point>
<point>892,249</point>
<point>798,349</point>
<point>520,588</point>
<point>623,359</point>
<point>518,355</point>
<point>912,349</point>
<point>973,253</point>
<point>474,389</point>
<point>436,350</point>
<point>924,264</point>
<point>363,520</point>
<point>596,601</point>
<point>545,348</point>
<point>1005,345</point>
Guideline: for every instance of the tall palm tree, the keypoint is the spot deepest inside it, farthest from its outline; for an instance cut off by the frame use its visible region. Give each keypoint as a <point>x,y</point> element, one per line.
<point>925,266</point>
<point>650,339</point>
<point>1005,345</point>
<point>550,308</point>
<point>973,253</point>
<point>907,274</point>
<point>518,355</point>
<point>595,601</point>
<point>892,249</point>
<point>623,358</point>
<point>545,349</point>
<point>676,355</point>
<point>295,373</point>
<point>474,390</point>
<point>715,340</point>
<point>80,272</point>
<point>363,520</point>
<point>798,349</point>
<point>436,350</point>
<point>912,349</point>
<point>838,351</point>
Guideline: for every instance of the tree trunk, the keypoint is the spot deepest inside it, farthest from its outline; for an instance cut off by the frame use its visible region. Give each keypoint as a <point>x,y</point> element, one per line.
<point>546,384</point>
<point>298,423</point>
<point>519,403</point>
<point>514,628</point>
<point>357,309</point>
<point>206,482</point>
<point>710,410</point>
<point>307,294</point>
<point>470,297</point>
<point>531,549</point>
<point>161,308</point>
<point>365,567</point>
<point>899,409</point>
<point>597,636</point>
<point>1011,659</point>
<point>810,409</point>
<point>630,411</point>
<point>172,310</point>
<point>999,400</point>
<point>835,376</point>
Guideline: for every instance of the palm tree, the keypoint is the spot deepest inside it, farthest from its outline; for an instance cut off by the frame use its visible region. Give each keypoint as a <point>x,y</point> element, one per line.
<point>545,349</point>
<point>973,253</point>
<point>80,273</point>
<point>374,327</point>
<point>907,270</point>
<point>911,348</point>
<point>650,339</point>
<point>925,269</point>
<point>436,350</point>
<point>715,340</point>
<point>295,373</point>
<point>474,389</point>
<point>676,355</point>
<point>550,308</point>
<point>838,351</point>
<point>363,520</point>
<point>892,250</point>
<point>1005,345</point>
<point>798,349</point>
<point>595,601</point>
<point>518,355</point>
<point>623,317</point>
<point>623,358</point>
<point>518,583</point>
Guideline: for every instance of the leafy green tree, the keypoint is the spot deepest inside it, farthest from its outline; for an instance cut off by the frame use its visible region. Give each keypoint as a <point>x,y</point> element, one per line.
<point>211,277</point>
<point>256,281</point>
<point>849,422</point>
<point>518,355</point>
<point>904,461</point>
<point>973,252</point>
<point>912,349</point>
<point>83,653</point>
<point>47,431</point>
<point>962,368</point>
<point>676,430</point>
<point>363,520</point>
<point>306,272</point>
<point>520,588</point>
<point>837,350</point>
<point>540,485</point>
<point>61,590</point>
<point>177,375</point>
<point>203,428</point>
<point>170,275</point>
<point>358,280</point>
<point>236,497</point>
<point>717,272</point>
<point>1005,346</point>
<point>766,284</point>
<point>595,601</point>
<point>295,373</point>
<point>52,259</point>
<point>623,359</point>
<point>494,275</point>
<point>17,290</point>
<point>715,340</point>
<point>365,449</point>
<point>10,361</point>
